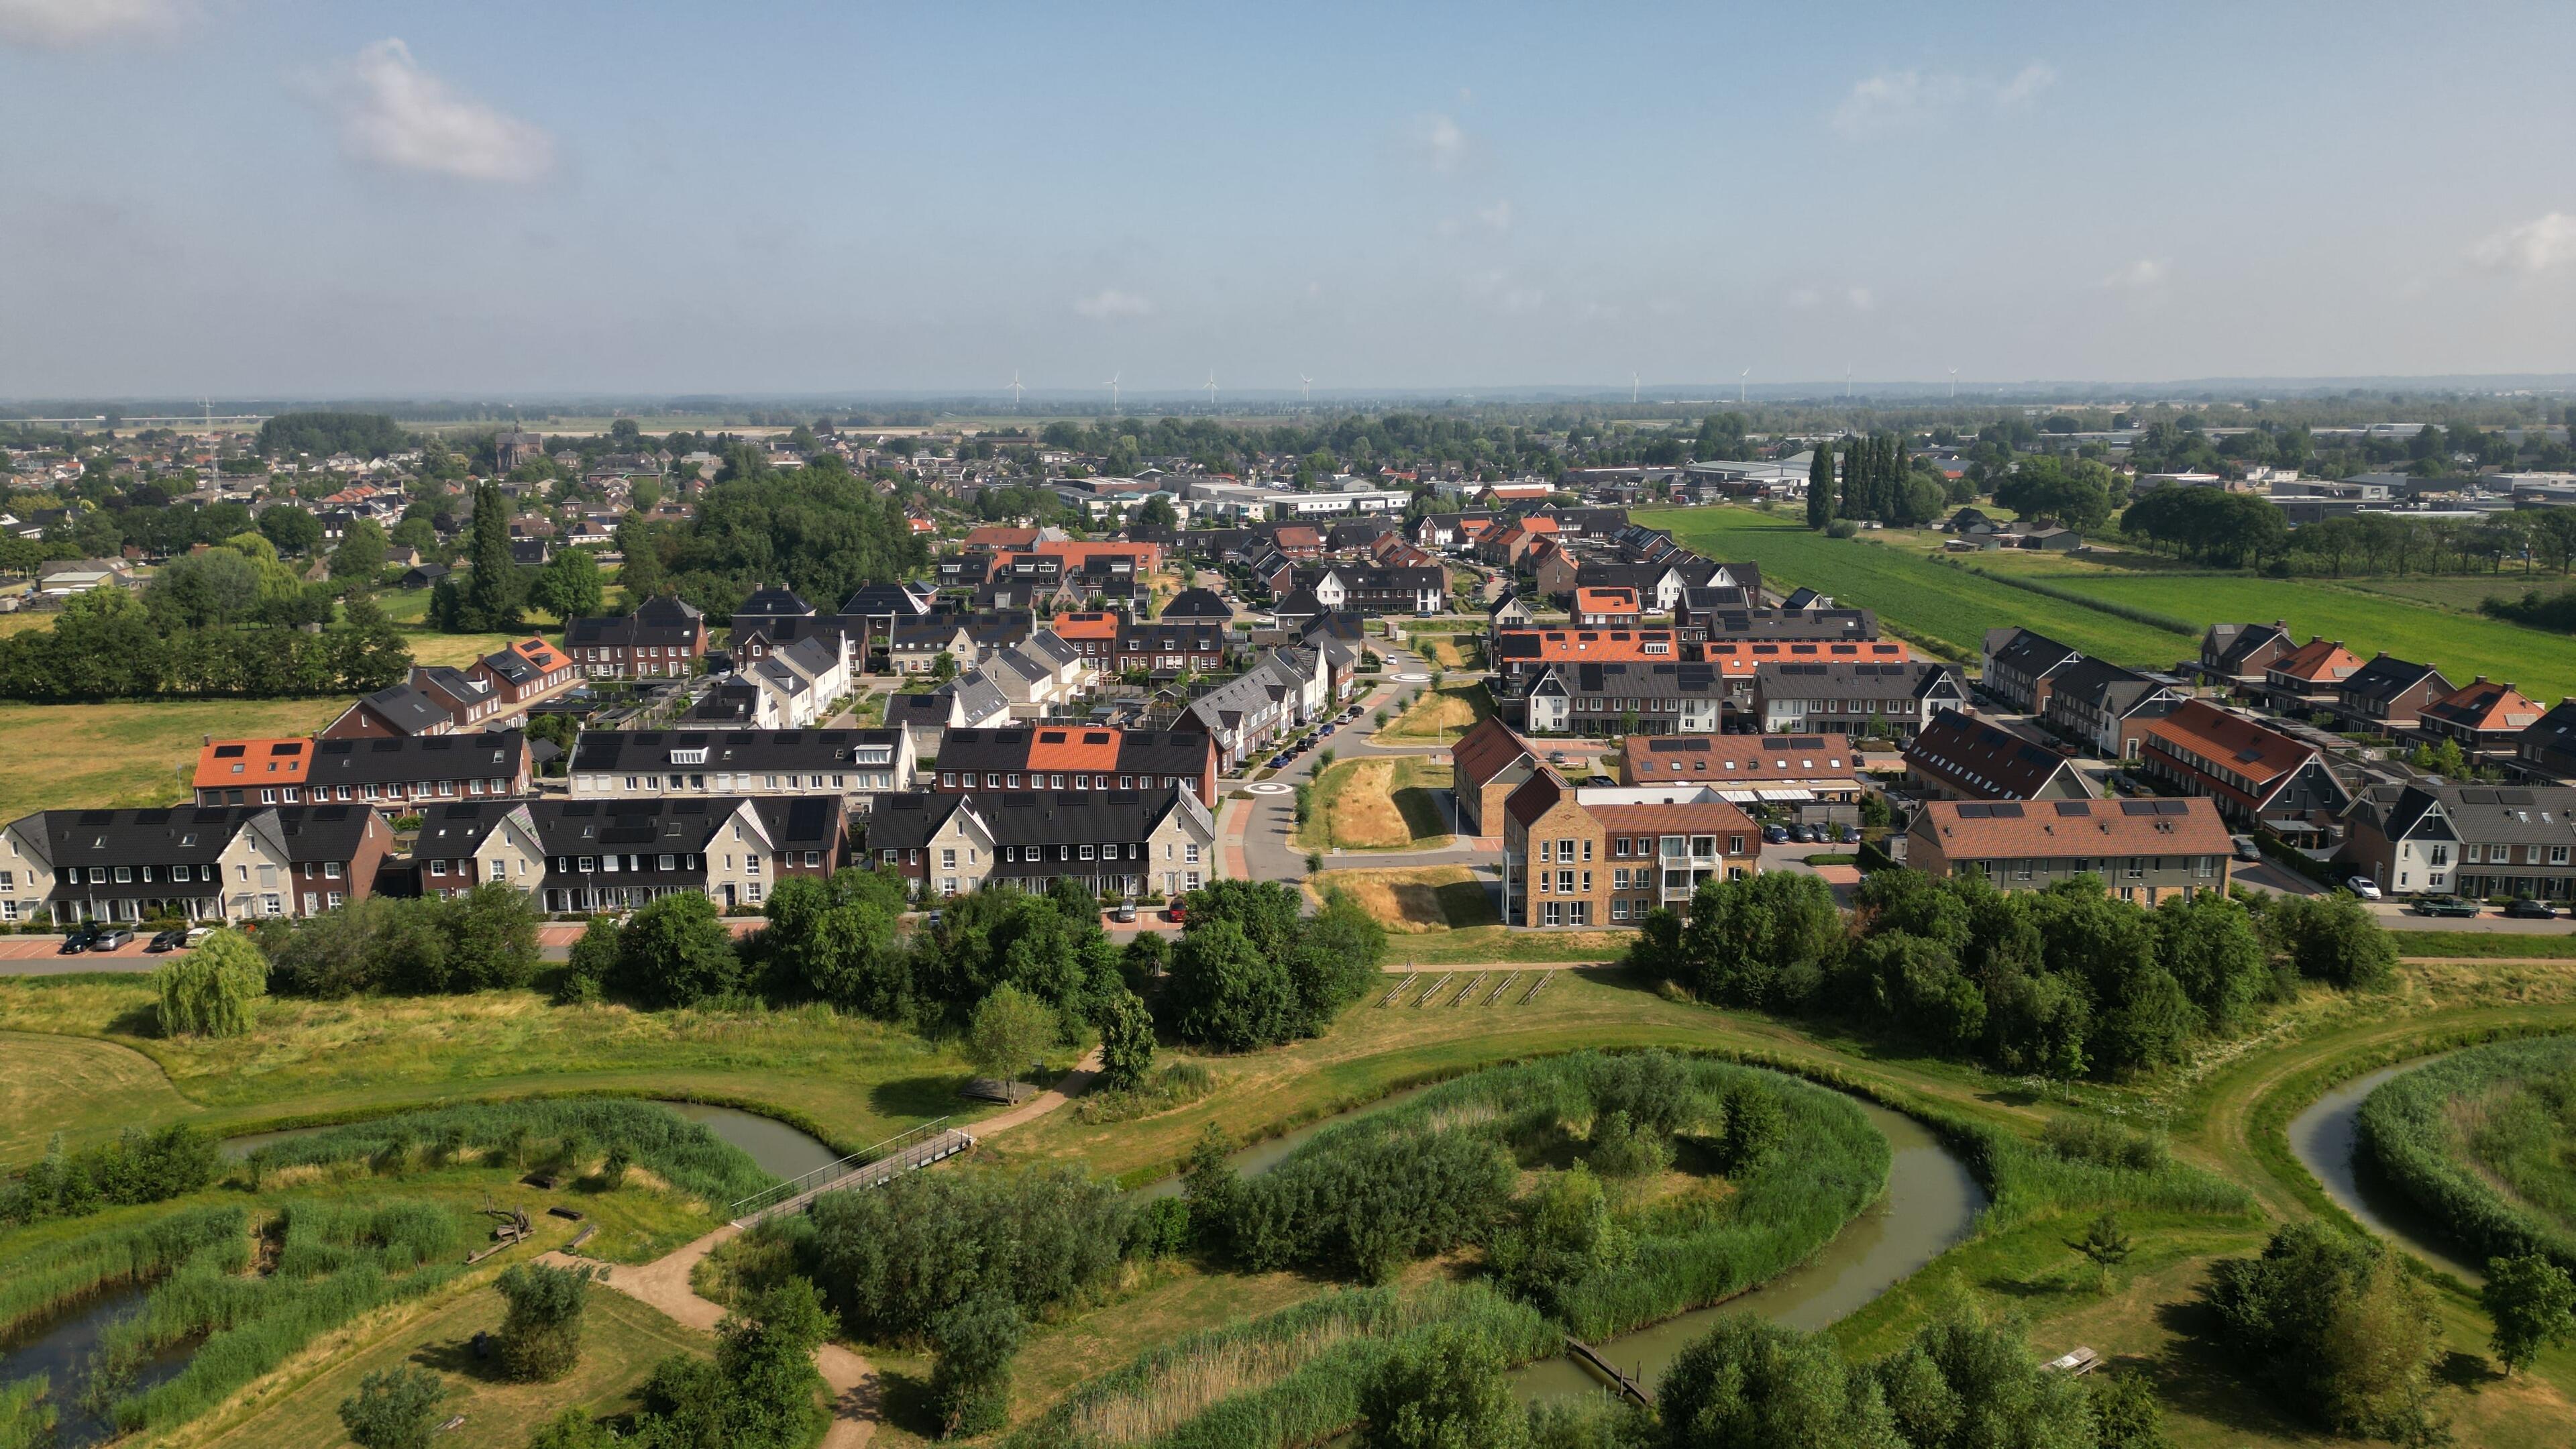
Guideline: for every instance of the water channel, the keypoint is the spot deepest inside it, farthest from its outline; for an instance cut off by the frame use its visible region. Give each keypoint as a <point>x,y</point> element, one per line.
<point>59,1345</point>
<point>776,1148</point>
<point>2326,1139</point>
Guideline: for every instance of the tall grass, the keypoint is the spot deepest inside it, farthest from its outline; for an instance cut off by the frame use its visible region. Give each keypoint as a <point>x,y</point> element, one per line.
<point>333,1263</point>
<point>529,1133</point>
<point>1292,1377</point>
<point>26,1415</point>
<point>2406,1126</point>
<point>45,1278</point>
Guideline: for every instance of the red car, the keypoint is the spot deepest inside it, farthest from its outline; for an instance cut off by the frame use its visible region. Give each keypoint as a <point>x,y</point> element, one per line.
<point>1176,912</point>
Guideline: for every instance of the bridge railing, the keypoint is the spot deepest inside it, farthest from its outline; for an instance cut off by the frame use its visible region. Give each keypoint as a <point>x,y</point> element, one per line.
<point>832,1172</point>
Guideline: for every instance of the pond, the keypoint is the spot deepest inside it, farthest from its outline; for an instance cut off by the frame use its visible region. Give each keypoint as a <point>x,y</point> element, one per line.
<point>2326,1138</point>
<point>59,1346</point>
<point>779,1150</point>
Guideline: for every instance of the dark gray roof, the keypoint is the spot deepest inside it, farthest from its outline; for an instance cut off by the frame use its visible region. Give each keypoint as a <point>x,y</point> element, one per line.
<point>491,755</point>
<point>2030,654</point>
<point>408,709</point>
<point>1846,679</point>
<point>1970,754</point>
<point>609,751</point>
<point>2534,815</point>
<point>454,831</point>
<point>809,822</point>
<point>2387,677</point>
<point>1197,604</point>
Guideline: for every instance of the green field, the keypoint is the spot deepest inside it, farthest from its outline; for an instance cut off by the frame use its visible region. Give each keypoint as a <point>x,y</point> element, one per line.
<point>59,756</point>
<point>1895,575</point>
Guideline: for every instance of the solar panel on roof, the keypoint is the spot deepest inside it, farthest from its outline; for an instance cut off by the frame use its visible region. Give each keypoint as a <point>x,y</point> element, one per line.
<point>2172,807</point>
<point>2074,807</point>
<point>2007,812</point>
<point>2137,807</point>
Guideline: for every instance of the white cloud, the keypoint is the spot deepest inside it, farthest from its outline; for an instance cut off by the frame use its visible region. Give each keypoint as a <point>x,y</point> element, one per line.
<point>1441,141</point>
<point>1109,304</point>
<point>1497,216</point>
<point>393,114</point>
<point>62,24</point>
<point>2139,275</point>
<point>2543,244</point>
<point>1859,298</point>
<point>1900,100</point>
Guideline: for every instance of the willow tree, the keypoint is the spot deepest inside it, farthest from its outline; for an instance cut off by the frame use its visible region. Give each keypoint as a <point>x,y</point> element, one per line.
<point>210,991</point>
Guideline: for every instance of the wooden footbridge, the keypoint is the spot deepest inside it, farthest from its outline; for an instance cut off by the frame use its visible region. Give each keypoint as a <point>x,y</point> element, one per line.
<point>1626,1385</point>
<point>869,1167</point>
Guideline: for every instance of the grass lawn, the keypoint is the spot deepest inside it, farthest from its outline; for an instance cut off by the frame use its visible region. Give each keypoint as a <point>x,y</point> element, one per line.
<point>129,752</point>
<point>1378,803</point>
<point>458,650</point>
<point>2494,945</point>
<point>1444,713</point>
<point>1454,651</point>
<point>1945,608</point>
<point>846,1079</point>
<point>1416,899</point>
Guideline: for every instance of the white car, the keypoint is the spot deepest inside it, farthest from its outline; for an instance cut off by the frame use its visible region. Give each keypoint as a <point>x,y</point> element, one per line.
<point>2364,887</point>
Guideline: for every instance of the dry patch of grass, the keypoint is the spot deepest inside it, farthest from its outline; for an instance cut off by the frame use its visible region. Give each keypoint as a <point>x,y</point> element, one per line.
<point>1418,899</point>
<point>1454,651</point>
<point>61,756</point>
<point>1378,803</point>
<point>459,650</point>
<point>1450,710</point>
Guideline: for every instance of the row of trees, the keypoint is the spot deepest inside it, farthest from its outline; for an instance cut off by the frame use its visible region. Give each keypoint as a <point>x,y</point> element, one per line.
<point>482,940</point>
<point>138,1167</point>
<point>2065,981</point>
<point>1879,481</point>
<point>106,644</point>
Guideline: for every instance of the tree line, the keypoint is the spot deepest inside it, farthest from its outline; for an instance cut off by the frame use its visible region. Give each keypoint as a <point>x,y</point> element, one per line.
<point>107,644</point>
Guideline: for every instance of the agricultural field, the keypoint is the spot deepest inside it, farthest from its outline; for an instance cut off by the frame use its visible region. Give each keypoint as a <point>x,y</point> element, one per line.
<point>129,753</point>
<point>1378,803</point>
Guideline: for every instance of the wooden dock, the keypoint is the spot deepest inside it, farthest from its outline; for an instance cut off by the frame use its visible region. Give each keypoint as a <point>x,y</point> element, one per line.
<point>1627,1386</point>
<point>850,1174</point>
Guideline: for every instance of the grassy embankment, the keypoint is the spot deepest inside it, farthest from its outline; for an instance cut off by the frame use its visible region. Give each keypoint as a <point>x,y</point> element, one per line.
<point>1378,803</point>
<point>847,1080</point>
<point>1439,715</point>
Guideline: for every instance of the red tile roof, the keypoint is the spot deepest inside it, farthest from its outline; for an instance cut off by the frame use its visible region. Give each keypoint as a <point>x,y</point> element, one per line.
<point>2318,661</point>
<point>2231,741</point>
<point>1484,751</point>
<point>253,762</point>
<point>2481,705</point>
<point>2060,829</point>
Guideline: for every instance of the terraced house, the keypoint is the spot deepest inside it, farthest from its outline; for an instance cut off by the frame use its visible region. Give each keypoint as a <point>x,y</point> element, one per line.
<point>1835,696</point>
<point>663,639</point>
<point>605,855</point>
<point>392,775</point>
<point>855,764</point>
<point>188,862</point>
<point>2469,840</point>
<point>1060,758</point>
<point>1961,757</point>
<point>2256,775</point>
<point>2141,850</point>
<point>1122,844</point>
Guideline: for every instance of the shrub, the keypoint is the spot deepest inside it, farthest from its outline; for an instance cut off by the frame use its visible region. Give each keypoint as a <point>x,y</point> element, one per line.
<point>762,1391</point>
<point>540,1339</point>
<point>482,940</point>
<point>970,1385</point>
<point>27,1417</point>
<point>2334,1325</point>
<point>394,1409</point>
<point>1444,1389</point>
<point>138,1167</point>
<point>682,1153</point>
<point>894,1259</point>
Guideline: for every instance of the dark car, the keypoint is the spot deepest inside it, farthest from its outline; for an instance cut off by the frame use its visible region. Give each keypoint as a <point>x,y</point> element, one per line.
<point>170,940</point>
<point>2524,908</point>
<point>1851,835</point>
<point>2246,849</point>
<point>111,938</point>
<point>1803,834</point>
<point>2447,906</point>
<point>1776,834</point>
<point>81,938</point>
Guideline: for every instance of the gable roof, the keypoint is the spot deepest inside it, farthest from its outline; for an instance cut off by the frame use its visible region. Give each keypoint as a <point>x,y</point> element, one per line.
<point>2386,676</point>
<point>2319,661</point>
<point>252,762</point>
<point>2484,705</point>
<point>2078,829</point>
<point>1487,749</point>
<point>1971,754</point>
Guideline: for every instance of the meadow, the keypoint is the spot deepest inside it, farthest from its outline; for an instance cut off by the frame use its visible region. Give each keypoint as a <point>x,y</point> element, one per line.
<point>63,756</point>
<point>1378,802</point>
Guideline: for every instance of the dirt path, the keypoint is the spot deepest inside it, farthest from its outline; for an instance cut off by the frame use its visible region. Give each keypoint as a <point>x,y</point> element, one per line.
<point>857,1396</point>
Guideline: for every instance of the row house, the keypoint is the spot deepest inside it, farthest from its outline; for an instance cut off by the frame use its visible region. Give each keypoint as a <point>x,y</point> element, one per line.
<point>754,639</point>
<point>2019,664</point>
<point>883,606</point>
<point>2305,680</point>
<point>2547,751</point>
<point>1170,647</point>
<point>1454,532</point>
<point>917,648</point>
<point>1814,698</point>
<point>2105,707</point>
<point>1744,769</point>
<point>2486,720</point>
<point>2236,656</point>
<point>1622,698</point>
<point>397,711</point>
<point>1391,551</point>
<point>1196,605</point>
<point>1362,535</point>
<point>663,638</point>
<point>616,855</point>
<point>1040,676</point>
<point>1525,653</point>
<point>2468,840</point>
<point>1093,634</point>
<point>1607,607</point>
<point>1595,856</point>
<point>1509,546</point>
<point>1244,716</point>
<point>1808,626</point>
<point>1058,758</point>
<point>1961,757</point>
<point>2257,775</point>
<point>1487,764</point>
<point>1122,844</point>
<point>855,764</point>
<point>466,843</point>
<point>188,862</point>
<point>1372,591</point>
<point>527,671</point>
<point>2144,851</point>
<point>2389,694</point>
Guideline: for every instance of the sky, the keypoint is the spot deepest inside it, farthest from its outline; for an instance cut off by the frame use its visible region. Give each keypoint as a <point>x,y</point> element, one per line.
<point>262,198</point>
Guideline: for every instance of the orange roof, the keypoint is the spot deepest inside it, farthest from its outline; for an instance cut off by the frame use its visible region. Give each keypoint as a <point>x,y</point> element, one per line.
<point>1092,625</point>
<point>2480,705</point>
<point>253,762</point>
<point>1074,749</point>
<point>1484,751</point>
<point>541,656</point>
<point>2074,829</point>
<point>1717,759</point>
<point>1619,600</point>
<point>2318,661</point>
<point>1549,646</point>
<point>2251,751</point>
<point>1000,535</point>
<point>1711,817</point>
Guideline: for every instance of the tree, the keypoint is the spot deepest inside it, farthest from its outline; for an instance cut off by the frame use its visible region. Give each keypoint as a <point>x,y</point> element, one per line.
<point>1445,1389</point>
<point>970,1385</point>
<point>676,952</point>
<point>1820,487</point>
<point>2330,938</point>
<point>1750,1384</point>
<point>361,554</point>
<point>1009,1030</point>
<point>1968,1382</point>
<point>2103,1243</point>
<point>2125,1412</point>
<point>943,668</point>
<point>760,1393</point>
<point>394,1409</point>
<point>1126,1041</point>
<point>1227,992</point>
<point>292,529</point>
<point>210,991</point>
<point>1761,941</point>
<point>489,599</point>
<point>540,1338</point>
<point>569,586</point>
<point>2533,1303</point>
<point>2334,1324</point>
<point>1565,1236</point>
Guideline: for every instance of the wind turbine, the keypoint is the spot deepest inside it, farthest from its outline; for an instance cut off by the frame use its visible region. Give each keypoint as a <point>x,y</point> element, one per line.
<point>1954,382</point>
<point>1211,389</point>
<point>1015,389</point>
<point>1739,385</point>
<point>1306,388</point>
<point>1112,385</point>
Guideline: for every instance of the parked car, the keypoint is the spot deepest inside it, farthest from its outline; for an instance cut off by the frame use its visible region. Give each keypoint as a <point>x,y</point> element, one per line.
<point>2246,849</point>
<point>1803,834</point>
<point>197,936</point>
<point>1851,835</point>
<point>2447,906</point>
<point>1176,913</point>
<point>2524,908</point>
<point>80,938</point>
<point>112,939</point>
<point>2363,886</point>
<point>170,940</point>
<point>1125,911</point>
<point>1775,834</point>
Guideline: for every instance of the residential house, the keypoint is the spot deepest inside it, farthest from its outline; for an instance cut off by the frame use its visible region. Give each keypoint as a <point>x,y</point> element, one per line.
<point>1961,757</point>
<point>2019,665</point>
<point>1196,605</point>
<point>2145,851</point>
<point>618,854</point>
<point>1371,591</point>
<point>2237,656</point>
<point>663,638</point>
<point>1523,653</point>
<point>1074,757</point>
<point>2547,751</point>
<point>188,862</point>
<point>2105,707</point>
<point>1743,769</point>
<point>1122,844</point>
<point>1486,765</point>
<point>1607,607</point>
<point>1170,647</point>
<point>1508,611</point>
<point>1855,698</point>
<point>2486,720</point>
<point>2255,773</point>
<point>528,670</point>
<point>917,648</point>
<point>2469,840</point>
<point>2305,680</point>
<point>1594,856</point>
<point>2389,694</point>
<point>466,843</point>
<point>1600,697</point>
<point>855,764</point>
<point>395,711</point>
<point>396,776</point>
<point>886,605</point>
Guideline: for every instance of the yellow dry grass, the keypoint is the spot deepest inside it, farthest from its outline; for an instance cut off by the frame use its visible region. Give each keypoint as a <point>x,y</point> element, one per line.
<point>1449,712</point>
<point>1363,810</point>
<point>1416,899</point>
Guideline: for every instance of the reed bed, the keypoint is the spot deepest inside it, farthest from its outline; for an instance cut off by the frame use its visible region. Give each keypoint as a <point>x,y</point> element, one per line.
<point>45,1278</point>
<point>2526,1126</point>
<point>529,1133</point>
